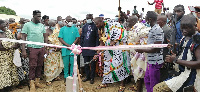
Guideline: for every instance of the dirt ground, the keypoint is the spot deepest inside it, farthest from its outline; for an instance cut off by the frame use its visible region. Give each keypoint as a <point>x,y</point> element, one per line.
<point>58,86</point>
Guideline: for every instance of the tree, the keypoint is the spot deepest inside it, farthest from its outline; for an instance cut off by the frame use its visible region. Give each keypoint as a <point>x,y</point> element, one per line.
<point>8,11</point>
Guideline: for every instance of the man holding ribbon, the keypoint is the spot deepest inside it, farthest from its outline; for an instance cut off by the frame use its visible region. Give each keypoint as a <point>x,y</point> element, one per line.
<point>187,60</point>
<point>154,55</point>
<point>67,36</point>
<point>89,38</point>
<point>111,33</point>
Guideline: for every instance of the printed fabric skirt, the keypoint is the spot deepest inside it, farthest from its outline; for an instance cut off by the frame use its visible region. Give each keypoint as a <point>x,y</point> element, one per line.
<point>23,71</point>
<point>115,66</point>
<point>53,65</point>
<point>8,73</point>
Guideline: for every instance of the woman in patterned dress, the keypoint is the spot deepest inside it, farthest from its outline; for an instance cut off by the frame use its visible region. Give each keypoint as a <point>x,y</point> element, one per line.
<point>115,61</point>
<point>53,64</point>
<point>8,73</point>
<point>137,36</point>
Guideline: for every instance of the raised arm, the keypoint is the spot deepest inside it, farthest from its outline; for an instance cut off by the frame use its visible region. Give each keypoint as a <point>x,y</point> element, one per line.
<point>151,3</point>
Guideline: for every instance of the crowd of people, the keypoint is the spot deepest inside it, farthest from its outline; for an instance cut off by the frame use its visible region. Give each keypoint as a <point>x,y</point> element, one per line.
<point>180,59</point>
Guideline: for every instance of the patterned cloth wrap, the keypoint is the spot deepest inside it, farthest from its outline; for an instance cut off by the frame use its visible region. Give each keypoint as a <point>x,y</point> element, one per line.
<point>53,64</point>
<point>8,73</point>
<point>138,36</point>
<point>115,61</point>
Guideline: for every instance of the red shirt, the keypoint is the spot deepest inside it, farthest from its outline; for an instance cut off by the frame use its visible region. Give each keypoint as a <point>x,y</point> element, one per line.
<point>158,4</point>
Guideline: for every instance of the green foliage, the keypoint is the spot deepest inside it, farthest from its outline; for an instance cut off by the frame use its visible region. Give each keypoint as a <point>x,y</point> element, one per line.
<point>8,11</point>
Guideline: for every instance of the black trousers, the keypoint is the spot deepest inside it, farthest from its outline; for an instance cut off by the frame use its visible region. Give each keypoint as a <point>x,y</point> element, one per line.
<point>90,74</point>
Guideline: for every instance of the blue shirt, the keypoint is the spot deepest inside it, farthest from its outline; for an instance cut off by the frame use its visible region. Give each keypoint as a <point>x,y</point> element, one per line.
<point>178,32</point>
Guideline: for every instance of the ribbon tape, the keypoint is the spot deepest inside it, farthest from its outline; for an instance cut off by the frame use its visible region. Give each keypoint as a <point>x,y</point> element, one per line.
<point>77,49</point>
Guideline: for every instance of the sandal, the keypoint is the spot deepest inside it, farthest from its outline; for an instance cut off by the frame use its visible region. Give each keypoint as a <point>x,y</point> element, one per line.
<point>101,86</point>
<point>20,86</point>
<point>134,88</point>
<point>57,79</point>
<point>121,89</point>
<point>48,83</point>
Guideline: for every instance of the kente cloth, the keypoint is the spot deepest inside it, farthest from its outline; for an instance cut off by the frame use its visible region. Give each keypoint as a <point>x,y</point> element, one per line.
<point>115,61</point>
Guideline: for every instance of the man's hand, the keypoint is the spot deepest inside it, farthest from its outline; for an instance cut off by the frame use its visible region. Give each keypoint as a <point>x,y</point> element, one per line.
<point>176,44</point>
<point>24,54</point>
<point>47,52</point>
<point>119,8</point>
<point>169,45</point>
<point>170,58</point>
<point>112,43</point>
<point>68,46</point>
<point>95,57</point>
<point>57,49</point>
<point>148,2</point>
<point>139,50</point>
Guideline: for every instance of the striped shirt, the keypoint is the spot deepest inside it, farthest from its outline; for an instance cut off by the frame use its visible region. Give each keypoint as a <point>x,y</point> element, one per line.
<point>155,34</point>
<point>158,4</point>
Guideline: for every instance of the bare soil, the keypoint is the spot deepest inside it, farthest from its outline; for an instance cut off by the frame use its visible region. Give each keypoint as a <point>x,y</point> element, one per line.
<point>58,86</point>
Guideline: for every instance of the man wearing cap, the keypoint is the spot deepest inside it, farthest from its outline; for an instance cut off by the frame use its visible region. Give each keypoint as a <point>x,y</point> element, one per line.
<point>102,16</point>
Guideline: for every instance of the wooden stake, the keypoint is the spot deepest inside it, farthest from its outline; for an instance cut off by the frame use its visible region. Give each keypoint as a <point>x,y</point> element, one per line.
<point>119,10</point>
<point>79,81</point>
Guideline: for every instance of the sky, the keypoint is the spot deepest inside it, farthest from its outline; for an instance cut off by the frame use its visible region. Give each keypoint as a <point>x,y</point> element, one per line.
<point>79,8</point>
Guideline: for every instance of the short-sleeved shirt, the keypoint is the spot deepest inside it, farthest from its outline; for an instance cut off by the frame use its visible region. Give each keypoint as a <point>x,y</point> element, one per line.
<point>34,33</point>
<point>155,34</point>
<point>69,35</point>
<point>158,4</point>
<point>135,11</point>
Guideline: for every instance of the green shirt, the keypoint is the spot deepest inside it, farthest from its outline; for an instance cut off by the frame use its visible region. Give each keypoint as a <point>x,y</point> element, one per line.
<point>69,35</point>
<point>135,11</point>
<point>34,33</point>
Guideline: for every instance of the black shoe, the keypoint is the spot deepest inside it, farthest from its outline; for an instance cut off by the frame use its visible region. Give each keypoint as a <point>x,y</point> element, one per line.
<point>86,79</point>
<point>92,81</point>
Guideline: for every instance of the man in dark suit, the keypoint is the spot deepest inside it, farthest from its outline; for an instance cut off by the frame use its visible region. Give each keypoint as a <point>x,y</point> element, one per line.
<point>89,38</point>
<point>162,21</point>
